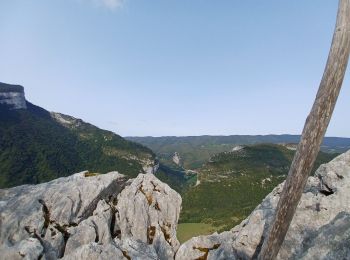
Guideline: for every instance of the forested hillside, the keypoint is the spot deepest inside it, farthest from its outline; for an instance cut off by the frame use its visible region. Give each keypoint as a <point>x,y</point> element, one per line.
<point>232,184</point>
<point>196,150</point>
<point>36,146</point>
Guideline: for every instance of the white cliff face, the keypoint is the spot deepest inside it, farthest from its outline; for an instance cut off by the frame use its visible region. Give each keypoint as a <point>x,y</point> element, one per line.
<point>177,159</point>
<point>13,98</point>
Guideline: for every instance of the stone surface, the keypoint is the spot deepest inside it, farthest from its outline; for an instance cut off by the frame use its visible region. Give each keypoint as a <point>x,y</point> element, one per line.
<point>95,251</point>
<point>48,212</point>
<point>320,228</point>
<point>108,217</point>
<point>177,159</point>
<point>13,96</point>
<point>148,210</point>
<point>89,216</point>
<point>136,249</point>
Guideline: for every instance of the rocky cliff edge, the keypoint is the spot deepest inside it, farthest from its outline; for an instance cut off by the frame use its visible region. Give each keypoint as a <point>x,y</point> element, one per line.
<point>109,217</point>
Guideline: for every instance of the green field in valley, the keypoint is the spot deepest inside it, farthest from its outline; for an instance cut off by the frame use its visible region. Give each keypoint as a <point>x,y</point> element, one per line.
<point>185,231</point>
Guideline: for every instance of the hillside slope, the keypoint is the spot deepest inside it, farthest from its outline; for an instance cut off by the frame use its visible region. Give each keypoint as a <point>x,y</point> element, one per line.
<point>233,183</point>
<point>196,150</point>
<point>38,146</point>
<point>98,222</point>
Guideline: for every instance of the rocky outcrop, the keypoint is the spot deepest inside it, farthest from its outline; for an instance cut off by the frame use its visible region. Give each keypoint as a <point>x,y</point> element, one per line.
<point>43,217</point>
<point>148,211</point>
<point>89,216</point>
<point>12,96</point>
<point>150,166</point>
<point>320,228</point>
<point>177,159</point>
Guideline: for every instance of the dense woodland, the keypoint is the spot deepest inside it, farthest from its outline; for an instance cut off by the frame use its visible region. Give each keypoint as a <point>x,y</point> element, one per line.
<point>35,148</point>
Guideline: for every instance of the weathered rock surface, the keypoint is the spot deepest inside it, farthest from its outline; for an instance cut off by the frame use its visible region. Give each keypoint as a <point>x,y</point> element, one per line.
<point>90,217</point>
<point>320,228</point>
<point>108,217</point>
<point>13,96</point>
<point>148,210</point>
<point>50,212</point>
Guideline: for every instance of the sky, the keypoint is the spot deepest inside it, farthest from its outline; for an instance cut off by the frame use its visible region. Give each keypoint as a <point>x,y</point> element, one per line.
<point>173,67</point>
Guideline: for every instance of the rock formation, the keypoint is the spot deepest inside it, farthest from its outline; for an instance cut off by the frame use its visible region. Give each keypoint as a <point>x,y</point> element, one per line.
<point>177,159</point>
<point>89,216</point>
<point>320,228</point>
<point>13,96</point>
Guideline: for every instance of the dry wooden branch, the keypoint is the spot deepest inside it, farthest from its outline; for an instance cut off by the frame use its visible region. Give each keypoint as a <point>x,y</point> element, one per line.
<point>313,133</point>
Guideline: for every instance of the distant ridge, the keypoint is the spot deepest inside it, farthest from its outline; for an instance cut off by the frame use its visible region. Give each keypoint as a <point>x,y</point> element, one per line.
<point>196,150</point>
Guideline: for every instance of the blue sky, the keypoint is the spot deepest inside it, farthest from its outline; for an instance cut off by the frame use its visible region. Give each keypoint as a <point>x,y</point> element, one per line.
<point>173,67</point>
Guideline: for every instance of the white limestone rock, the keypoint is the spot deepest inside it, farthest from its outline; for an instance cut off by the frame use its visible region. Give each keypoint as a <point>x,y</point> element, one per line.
<point>177,159</point>
<point>47,211</point>
<point>148,210</point>
<point>27,249</point>
<point>199,247</point>
<point>136,249</point>
<point>12,96</point>
<point>95,251</point>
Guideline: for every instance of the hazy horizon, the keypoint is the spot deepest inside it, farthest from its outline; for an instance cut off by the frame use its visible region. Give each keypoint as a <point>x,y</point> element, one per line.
<point>174,68</point>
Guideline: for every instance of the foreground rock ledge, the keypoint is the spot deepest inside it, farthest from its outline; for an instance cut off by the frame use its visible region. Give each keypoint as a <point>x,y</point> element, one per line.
<point>109,217</point>
<point>320,228</point>
<point>90,217</point>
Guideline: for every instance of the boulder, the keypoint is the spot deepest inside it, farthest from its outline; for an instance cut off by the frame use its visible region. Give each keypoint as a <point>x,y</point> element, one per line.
<point>48,212</point>
<point>148,210</point>
<point>89,216</point>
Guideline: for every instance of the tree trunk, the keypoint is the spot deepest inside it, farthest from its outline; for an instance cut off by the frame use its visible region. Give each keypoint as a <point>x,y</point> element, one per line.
<point>313,133</point>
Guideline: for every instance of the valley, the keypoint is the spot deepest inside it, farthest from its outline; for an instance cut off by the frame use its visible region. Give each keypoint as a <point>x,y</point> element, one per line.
<point>38,146</point>
<point>231,179</point>
<point>221,178</point>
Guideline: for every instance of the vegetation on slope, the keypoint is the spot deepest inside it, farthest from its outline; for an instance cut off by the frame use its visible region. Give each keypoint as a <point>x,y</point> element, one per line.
<point>196,150</point>
<point>233,183</point>
<point>34,148</point>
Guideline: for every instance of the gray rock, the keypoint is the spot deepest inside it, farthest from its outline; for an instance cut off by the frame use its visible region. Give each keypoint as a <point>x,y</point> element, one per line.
<point>148,210</point>
<point>12,96</point>
<point>332,241</point>
<point>136,249</point>
<point>29,248</point>
<point>47,211</point>
<point>199,247</point>
<point>94,229</point>
<point>107,217</point>
<point>88,217</point>
<point>94,251</point>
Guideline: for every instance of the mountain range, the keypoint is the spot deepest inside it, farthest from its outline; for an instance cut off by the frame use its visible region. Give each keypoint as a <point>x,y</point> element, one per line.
<point>196,150</point>
<point>221,178</point>
<point>37,145</point>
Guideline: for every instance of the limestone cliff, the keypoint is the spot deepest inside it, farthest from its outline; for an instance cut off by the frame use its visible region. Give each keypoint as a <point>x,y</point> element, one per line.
<point>12,96</point>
